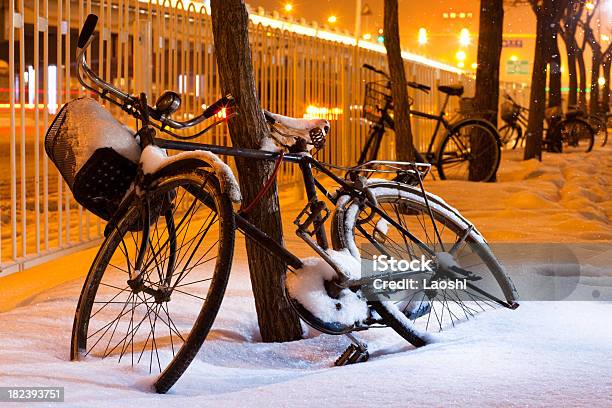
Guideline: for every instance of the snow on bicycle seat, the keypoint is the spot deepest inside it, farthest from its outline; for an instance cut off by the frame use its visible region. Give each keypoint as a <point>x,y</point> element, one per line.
<point>287,131</point>
<point>453,90</point>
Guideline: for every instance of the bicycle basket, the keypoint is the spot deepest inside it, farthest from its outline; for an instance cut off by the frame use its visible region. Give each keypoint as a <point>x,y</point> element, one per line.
<point>95,154</point>
<point>510,112</point>
<point>377,96</point>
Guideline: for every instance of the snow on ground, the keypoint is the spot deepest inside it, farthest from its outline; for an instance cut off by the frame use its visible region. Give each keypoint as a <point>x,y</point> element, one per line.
<point>542,354</point>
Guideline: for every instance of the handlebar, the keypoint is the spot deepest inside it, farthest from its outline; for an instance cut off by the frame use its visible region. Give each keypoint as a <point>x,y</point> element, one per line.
<point>412,84</point>
<point>129,103</point>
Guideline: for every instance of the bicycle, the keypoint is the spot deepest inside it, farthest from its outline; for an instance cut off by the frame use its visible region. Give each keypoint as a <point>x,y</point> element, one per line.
<point>599,122</point>
<point>169,240</point>
<point>512,114</point>
<point>469,150</point>
<point>564,133</point>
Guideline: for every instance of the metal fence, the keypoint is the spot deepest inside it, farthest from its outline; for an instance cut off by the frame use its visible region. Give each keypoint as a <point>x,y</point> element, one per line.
<point>154,46</point>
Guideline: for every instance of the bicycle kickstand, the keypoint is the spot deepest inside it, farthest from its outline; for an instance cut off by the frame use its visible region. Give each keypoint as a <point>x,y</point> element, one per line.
<point>357,352</point>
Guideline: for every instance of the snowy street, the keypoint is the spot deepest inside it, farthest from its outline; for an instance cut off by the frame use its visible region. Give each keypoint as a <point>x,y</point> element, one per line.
<point>542,354</point>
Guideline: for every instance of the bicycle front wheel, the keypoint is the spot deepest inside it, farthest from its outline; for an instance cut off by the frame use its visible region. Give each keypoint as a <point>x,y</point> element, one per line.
<point>470,151</point>
<point>451,239</point>
<point>577,136</point>
<point>155,318</point>
<point>509,136</point>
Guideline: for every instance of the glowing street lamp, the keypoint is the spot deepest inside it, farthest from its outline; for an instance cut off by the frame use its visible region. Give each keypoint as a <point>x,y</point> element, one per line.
<point>288,7</point>
<point>460,55</point>
<point>590,5</point>
<point>367,36</point>
<point>422,36</point>
<point>601,81</point>
<point>464,37</point>
<point>332,19</point>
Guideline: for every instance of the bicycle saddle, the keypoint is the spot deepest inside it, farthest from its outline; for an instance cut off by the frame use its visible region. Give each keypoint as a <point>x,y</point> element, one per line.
<point>453,90</point>
<point>288,132</point>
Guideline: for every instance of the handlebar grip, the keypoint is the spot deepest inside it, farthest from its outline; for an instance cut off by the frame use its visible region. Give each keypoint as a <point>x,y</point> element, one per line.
<point>420,87</point>
<point>225,102</point>
<point>87,31</point>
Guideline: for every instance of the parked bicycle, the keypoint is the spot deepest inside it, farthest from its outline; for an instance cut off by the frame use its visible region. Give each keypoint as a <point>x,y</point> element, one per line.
<point>563,133</point>
<point>599,122</point>
<point>158,279</point>
<point>469,148</point>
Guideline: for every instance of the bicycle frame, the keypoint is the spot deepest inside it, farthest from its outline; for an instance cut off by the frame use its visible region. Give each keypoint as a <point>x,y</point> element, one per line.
<point>378,130</point>
<point>312,186</point>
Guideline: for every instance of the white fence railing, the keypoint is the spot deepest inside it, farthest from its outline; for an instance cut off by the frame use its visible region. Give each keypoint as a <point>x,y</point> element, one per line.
<point>154,46</point>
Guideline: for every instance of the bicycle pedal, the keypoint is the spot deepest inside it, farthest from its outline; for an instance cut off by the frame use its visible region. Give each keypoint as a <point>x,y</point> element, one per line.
<point>312,217</point>
<point>352,355</point>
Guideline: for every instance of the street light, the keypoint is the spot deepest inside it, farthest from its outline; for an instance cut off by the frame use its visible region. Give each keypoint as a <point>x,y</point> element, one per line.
<point>601,81</point>
<point>422,36</point>
<point>332,19</point>
<point>367,36</point>
<point>589,5</point>
<point>288,7</point>
<point>464,37</point>
<point>461,55</point>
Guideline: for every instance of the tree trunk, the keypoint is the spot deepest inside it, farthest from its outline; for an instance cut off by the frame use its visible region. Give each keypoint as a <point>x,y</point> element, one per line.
<point>595,66</point>
<point>554,93</point>
<point>401,108</point>
<point>572,72</point>
<point>583,80</point>
<point>537,102</point>
<point>277,321</point>
<point>605,103</point>
<point>487,77</point>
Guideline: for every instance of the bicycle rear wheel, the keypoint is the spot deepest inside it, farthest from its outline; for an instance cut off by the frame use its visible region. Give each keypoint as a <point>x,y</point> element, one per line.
<point>470,151</point>
<point>577,136</point>
<point>422,311</point>
<point>156,318</point>
<point>601,129</point>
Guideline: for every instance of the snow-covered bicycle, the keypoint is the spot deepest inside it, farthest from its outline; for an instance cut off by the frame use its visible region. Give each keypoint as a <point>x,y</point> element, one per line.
<point>157,282</point>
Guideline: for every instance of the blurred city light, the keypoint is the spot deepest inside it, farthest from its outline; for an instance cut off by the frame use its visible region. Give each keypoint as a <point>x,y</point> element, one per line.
<point>464,37</point>
<point>288,7</point>
<point>461,55</point>
<point>332,19</point>
<point>589,5</point>
<point>601,81</point>
<point>367,36</point>
<point>422,36</point>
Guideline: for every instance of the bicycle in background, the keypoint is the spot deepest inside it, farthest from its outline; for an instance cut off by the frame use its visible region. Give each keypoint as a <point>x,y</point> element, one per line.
<point>464,144</point>
<point>566,133</point>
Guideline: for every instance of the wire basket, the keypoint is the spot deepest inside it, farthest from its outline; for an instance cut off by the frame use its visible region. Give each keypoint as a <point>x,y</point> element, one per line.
<point>99,174</point>
<point>377,97</point>
<point>510,111</point>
